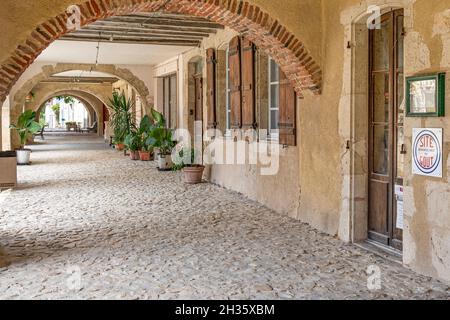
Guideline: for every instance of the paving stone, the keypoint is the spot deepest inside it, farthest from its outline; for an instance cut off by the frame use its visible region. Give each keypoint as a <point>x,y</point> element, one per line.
<point>88,223</point>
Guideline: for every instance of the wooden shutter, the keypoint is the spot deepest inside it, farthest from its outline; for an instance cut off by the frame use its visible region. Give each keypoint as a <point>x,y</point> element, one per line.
<point>248,85</point>
<point>235,83</point>
<point>211,87</point>
<point>288,102</point>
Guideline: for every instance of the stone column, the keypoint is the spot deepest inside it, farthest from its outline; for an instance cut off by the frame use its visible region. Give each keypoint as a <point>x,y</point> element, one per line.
<point>1,128</point>
<point>15,140</point>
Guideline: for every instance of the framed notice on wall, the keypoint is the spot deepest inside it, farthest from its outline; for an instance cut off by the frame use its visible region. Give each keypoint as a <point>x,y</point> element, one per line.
<point>427,152</point>
<point>425,96</point>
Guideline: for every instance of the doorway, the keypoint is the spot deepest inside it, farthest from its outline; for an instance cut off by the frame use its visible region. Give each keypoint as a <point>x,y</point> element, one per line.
<point>386,135</point>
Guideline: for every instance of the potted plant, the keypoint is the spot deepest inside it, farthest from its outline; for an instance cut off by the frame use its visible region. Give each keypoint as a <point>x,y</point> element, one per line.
<point>26,127</point>
<point>121,118</point>
<point>146,152</point>
<point>133,143</point>
<point>185,160</point>
<point>161,138</point>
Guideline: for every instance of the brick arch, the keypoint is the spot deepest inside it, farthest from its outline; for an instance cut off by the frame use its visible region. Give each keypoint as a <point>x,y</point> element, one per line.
<point>265,31</point>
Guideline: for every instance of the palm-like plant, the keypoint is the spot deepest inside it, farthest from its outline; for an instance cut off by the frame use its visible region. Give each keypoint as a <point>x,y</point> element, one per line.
<point>26,126</point>
<point>121,116</point>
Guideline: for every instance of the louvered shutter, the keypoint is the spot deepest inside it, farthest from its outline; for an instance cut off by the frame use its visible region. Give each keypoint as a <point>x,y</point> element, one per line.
<point>235,83</point>
<point>287,121</point>
<point>248,85</point>
<point>211,87</point>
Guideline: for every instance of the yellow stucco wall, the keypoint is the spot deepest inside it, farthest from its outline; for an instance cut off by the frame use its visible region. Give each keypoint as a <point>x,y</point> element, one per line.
<point>325,121</point>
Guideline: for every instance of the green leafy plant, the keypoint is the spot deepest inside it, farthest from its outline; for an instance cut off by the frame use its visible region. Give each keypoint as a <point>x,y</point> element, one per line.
<point>121,117</point>
<point>145,128</point>
<point>159,136</point>
<point>184,157</point>
<point>26,126</point>
<point>56,108</point>
<point>66,99</point>
<point>133,141</point>
<point>158,118</point>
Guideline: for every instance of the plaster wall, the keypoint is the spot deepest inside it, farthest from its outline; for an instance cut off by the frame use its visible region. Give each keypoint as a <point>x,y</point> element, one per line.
<point>427,221</point>
<point>281,191</point>
<point>5,143</point>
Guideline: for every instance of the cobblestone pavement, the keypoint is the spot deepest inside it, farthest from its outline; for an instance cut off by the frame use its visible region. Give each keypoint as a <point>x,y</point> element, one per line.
<point>88,223</point>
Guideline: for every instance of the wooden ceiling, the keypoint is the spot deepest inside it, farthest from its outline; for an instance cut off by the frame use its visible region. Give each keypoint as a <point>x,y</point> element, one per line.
<point>147,28</point>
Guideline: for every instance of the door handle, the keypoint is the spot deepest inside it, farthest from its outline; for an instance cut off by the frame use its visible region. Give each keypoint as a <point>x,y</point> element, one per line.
<point>403,150</point>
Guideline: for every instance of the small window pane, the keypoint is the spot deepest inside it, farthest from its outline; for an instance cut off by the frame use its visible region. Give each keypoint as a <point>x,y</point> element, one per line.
<point>400,47</point>
<point>381,47</point>
<point>401,98</point>
<point>274,119</point>
<point>274,96</point>
<point>400,156</point>
<point>380,149</point>
<point>274,76</point>
<point>381,97</point>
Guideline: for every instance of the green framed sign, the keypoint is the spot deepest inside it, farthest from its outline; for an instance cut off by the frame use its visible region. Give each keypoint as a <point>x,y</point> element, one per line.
<point>425,96</point>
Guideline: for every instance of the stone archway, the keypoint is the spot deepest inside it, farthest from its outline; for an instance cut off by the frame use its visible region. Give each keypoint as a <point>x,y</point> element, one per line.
<point>91,109</point>
<point>50,70</point>
<point>261,28</point>
<point>94,100</point>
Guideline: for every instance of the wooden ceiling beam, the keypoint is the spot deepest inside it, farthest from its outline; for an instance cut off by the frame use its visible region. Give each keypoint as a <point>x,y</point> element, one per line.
<point>161,32</point>
<point>145,26</point>
<point>80,80</point>
<point>185,43</point>
<point>183,21</point>
<point>106,36</point>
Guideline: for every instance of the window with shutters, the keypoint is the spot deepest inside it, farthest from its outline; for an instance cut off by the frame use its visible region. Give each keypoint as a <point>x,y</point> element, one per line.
<point>274,100</point>
<point>169,95</point>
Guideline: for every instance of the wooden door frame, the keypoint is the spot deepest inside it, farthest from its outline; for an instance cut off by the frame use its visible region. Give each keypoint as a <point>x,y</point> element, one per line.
<point>392,123</point>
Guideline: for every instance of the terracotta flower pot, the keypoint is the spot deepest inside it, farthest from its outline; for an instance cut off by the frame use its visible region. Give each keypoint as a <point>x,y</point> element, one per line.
<point>134,155</point>
<point>145,155</point>
<point>120,146</point>
<point>193,175</point>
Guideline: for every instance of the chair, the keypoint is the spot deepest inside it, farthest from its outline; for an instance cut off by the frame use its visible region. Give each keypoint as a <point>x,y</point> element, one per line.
<point>41,132</point>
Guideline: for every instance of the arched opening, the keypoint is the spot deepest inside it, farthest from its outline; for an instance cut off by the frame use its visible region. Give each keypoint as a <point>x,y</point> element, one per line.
<point>60,112</point>
<point>260,28</point>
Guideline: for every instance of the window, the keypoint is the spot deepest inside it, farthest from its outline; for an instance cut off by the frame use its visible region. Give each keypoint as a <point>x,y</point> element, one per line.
<point>228,93</point>
<point>274,99</point>
<point>169,86</point>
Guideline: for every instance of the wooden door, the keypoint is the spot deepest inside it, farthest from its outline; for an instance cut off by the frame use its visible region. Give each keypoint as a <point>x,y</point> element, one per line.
<point>385,128</point>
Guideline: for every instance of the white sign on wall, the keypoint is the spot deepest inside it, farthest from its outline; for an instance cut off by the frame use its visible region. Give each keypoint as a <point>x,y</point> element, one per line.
<point>427,152</point>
